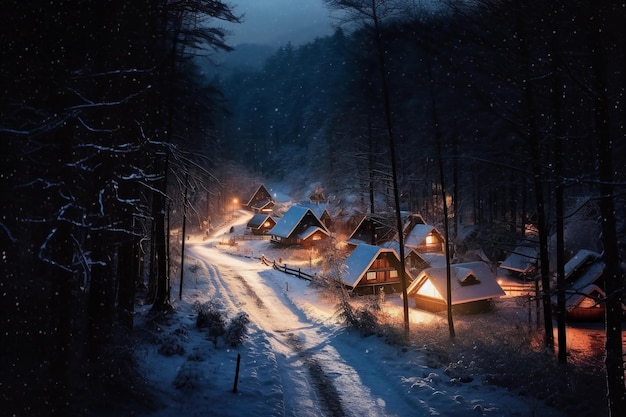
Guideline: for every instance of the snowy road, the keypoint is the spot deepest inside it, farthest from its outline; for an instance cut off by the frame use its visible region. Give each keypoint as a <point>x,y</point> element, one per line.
<point>297,360</point>
<point>314,371</point>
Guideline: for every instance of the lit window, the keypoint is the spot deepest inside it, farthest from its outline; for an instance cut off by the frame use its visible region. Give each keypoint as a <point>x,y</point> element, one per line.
<point>393,273</point>
<point>430,240</point>
<point>371,275</point>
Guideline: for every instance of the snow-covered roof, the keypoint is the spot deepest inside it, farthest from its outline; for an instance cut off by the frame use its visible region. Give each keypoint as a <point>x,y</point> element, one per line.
<point>286,225</point>
<point>523,259</point>
<point>407,250</point>
<point>464,287</point>
<point>583,256</point>
<point>584,284</point>
<point>360,260</point>
<point>317,208</point>
<point>418,234</point>
<point>258,220</point>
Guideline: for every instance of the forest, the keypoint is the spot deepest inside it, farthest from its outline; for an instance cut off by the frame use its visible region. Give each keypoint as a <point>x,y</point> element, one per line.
<point>116,126</point>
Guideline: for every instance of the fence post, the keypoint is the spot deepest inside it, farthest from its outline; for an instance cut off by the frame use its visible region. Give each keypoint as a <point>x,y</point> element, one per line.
<point>236,374</point>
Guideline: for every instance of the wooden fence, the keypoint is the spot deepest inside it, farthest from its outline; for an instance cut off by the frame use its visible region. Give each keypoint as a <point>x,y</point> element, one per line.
<point>284,268</point>
<point>252,237</point>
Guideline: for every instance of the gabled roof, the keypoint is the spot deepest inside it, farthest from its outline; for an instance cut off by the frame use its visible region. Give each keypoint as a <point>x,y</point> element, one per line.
<point>309,231</point>
<point>360,260</point>
<point>385,232</point>
<point>411,220</point>
<point>471,281</point>
<point>416,236</point>
<point>581,258</point>
<point>407,250</point>
<point>259,203</point>
<point>523,259</point>
<point>583,270</point>
<point>317,208</point>
<point>286,225</point>
<point>258,220</point>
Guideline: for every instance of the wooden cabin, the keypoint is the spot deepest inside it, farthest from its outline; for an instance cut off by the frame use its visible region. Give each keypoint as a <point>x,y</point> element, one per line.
<point>372,231</point>
<point>583,276</point>
<point>260,223</point>
<point>260,200</point>
<point>320,209</point>
<point>299,226</point>
<point>522,261</point>
<point>369,268</point>
<point>424,238</point>
<point>473,288</point>
<point>413,261</point>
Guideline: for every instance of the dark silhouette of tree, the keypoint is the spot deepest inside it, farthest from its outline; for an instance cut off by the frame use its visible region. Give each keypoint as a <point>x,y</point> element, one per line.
<point>81,115</point>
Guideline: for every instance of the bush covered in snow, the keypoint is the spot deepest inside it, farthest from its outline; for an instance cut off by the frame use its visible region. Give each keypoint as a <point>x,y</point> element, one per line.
<point>210,318</point>
<point>236,330</point>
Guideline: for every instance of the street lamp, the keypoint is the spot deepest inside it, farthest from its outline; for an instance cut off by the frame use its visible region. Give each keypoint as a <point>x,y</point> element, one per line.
<point>232,213</point>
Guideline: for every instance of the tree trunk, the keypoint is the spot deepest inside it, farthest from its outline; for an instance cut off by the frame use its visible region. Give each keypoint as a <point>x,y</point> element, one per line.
<point>127,271</point>
<point>614,280</point>
<point>531,133</point>
<point>159,273</point>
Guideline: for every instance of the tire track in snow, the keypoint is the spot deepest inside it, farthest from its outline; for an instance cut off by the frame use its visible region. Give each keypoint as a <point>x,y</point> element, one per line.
<point>330,400</point>
<point>316,392</point>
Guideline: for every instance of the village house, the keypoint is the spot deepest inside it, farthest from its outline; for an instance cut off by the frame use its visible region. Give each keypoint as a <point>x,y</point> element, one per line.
<point>473,288</point>
<point>299,226</point>
<point>320,209</point>
<point>413,261</point>
<point>369,268</point>
<point>259,200</point>
<point>260,223</point>
<point>522,261</point>
<point>584,292</point>
<point>372,231</point>
<point>422,237</point>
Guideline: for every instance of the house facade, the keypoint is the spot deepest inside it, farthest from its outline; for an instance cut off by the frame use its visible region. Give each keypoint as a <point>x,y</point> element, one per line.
<point>260,224</point>
<point>370,269</point>
<point>584,290</point>
<point>473,288</point>
<point>260,200</point>
<point>424,238</point>
<point>299,226</point>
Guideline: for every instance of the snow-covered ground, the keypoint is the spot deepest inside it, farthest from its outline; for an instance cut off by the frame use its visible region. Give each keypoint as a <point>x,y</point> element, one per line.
<point>297,358</point>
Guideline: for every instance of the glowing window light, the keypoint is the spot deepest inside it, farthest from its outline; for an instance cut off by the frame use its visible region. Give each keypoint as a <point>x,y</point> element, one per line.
<point>430,240</point>
<point>428,290</point>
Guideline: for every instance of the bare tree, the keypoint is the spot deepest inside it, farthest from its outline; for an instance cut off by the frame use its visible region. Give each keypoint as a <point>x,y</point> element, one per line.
<point>372,13</point>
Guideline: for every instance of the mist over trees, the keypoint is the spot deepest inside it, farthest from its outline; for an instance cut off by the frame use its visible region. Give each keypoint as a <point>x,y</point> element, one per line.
<point>108,126</point>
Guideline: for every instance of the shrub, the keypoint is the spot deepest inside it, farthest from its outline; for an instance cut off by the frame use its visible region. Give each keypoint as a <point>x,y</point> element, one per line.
<point>211,318</point>
<point>236,330</point>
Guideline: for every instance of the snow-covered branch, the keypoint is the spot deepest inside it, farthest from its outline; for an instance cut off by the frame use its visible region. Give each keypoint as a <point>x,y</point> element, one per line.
<point>8,232</point>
